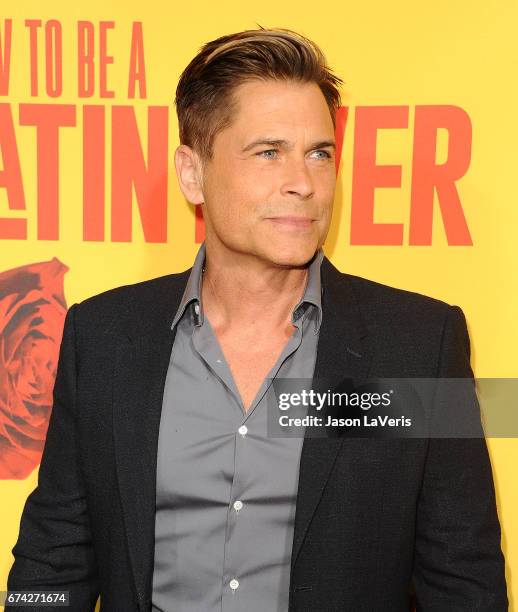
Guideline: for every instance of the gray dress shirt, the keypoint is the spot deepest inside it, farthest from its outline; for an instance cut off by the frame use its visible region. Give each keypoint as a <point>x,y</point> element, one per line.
<point>226,491</point>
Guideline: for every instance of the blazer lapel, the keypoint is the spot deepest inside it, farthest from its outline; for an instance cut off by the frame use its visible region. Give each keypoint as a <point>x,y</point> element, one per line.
<point>342,352</point>
<point>141,361</point>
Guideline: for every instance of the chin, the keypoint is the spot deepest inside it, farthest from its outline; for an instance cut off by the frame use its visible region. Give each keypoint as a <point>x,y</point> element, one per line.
<point>294,257</point>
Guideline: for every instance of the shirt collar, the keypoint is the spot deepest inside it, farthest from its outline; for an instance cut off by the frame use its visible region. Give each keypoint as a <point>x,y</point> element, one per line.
<point>192,293</point>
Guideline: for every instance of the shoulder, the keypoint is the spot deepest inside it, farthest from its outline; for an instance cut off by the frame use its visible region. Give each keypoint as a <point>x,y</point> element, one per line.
<point>408,312</point>
<point>403,318</point>
<point>376,299</point>
<point>133,303</point>
<point>376,296</point>
<point>404,326</point>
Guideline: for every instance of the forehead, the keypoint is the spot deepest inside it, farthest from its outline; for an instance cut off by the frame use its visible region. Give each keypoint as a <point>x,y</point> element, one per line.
<point>273,102</point>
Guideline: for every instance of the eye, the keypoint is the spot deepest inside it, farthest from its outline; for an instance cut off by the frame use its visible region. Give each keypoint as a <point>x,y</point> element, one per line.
<point>262,153</point>
<point>326,154</point>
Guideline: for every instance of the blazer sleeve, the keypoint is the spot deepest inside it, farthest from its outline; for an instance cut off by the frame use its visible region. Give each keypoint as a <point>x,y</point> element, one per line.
<point>458,562</point>
<point>54,549</point>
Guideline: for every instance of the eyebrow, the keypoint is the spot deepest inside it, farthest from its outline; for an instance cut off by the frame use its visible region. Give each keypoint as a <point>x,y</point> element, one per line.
<point>272,142</point>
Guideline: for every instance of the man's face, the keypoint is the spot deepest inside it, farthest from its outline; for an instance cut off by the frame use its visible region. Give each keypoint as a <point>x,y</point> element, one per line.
<point>269,187</point>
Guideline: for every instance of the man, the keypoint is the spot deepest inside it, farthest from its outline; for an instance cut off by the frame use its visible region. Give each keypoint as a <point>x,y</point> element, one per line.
<point>159,488</point>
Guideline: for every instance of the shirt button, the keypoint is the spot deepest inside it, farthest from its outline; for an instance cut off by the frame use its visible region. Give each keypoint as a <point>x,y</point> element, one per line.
<point>233,584</point>
<point>243,430</point>
<point>238,505</point>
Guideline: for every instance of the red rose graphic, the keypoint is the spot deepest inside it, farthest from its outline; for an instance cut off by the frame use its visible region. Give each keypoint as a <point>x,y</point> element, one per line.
<point>32,314</point>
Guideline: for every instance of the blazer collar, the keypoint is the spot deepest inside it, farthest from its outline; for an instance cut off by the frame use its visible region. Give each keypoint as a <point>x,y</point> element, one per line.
<point>141,359</point>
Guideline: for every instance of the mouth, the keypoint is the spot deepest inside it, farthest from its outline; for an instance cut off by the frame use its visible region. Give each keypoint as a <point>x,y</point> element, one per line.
<point>292,221</point>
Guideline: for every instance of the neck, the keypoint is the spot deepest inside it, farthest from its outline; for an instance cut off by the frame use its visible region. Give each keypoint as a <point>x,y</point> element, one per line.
<point>244,288</point>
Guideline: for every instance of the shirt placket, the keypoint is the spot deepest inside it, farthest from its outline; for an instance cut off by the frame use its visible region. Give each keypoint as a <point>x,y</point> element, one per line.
<point>234,584</point>
<point>233,598</point>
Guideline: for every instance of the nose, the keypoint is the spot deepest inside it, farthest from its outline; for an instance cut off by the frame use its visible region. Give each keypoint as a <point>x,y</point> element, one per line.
<point>296,179</point>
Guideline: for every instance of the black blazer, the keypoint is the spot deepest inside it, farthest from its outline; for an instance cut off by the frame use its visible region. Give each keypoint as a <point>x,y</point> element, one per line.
<point>374,518</point>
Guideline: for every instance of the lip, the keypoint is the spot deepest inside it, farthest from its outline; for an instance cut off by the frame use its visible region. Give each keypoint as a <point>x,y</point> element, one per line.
<point>292,221</point>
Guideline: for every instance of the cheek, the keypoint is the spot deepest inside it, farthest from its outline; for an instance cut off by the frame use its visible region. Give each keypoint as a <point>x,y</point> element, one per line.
<point>327,189</point>
<point>241,197</point>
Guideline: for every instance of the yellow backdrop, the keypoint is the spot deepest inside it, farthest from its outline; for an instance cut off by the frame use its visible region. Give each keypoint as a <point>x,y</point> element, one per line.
<point>86,92</point>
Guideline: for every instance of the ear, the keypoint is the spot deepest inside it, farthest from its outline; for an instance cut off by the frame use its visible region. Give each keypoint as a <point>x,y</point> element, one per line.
<point>189,171</point>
